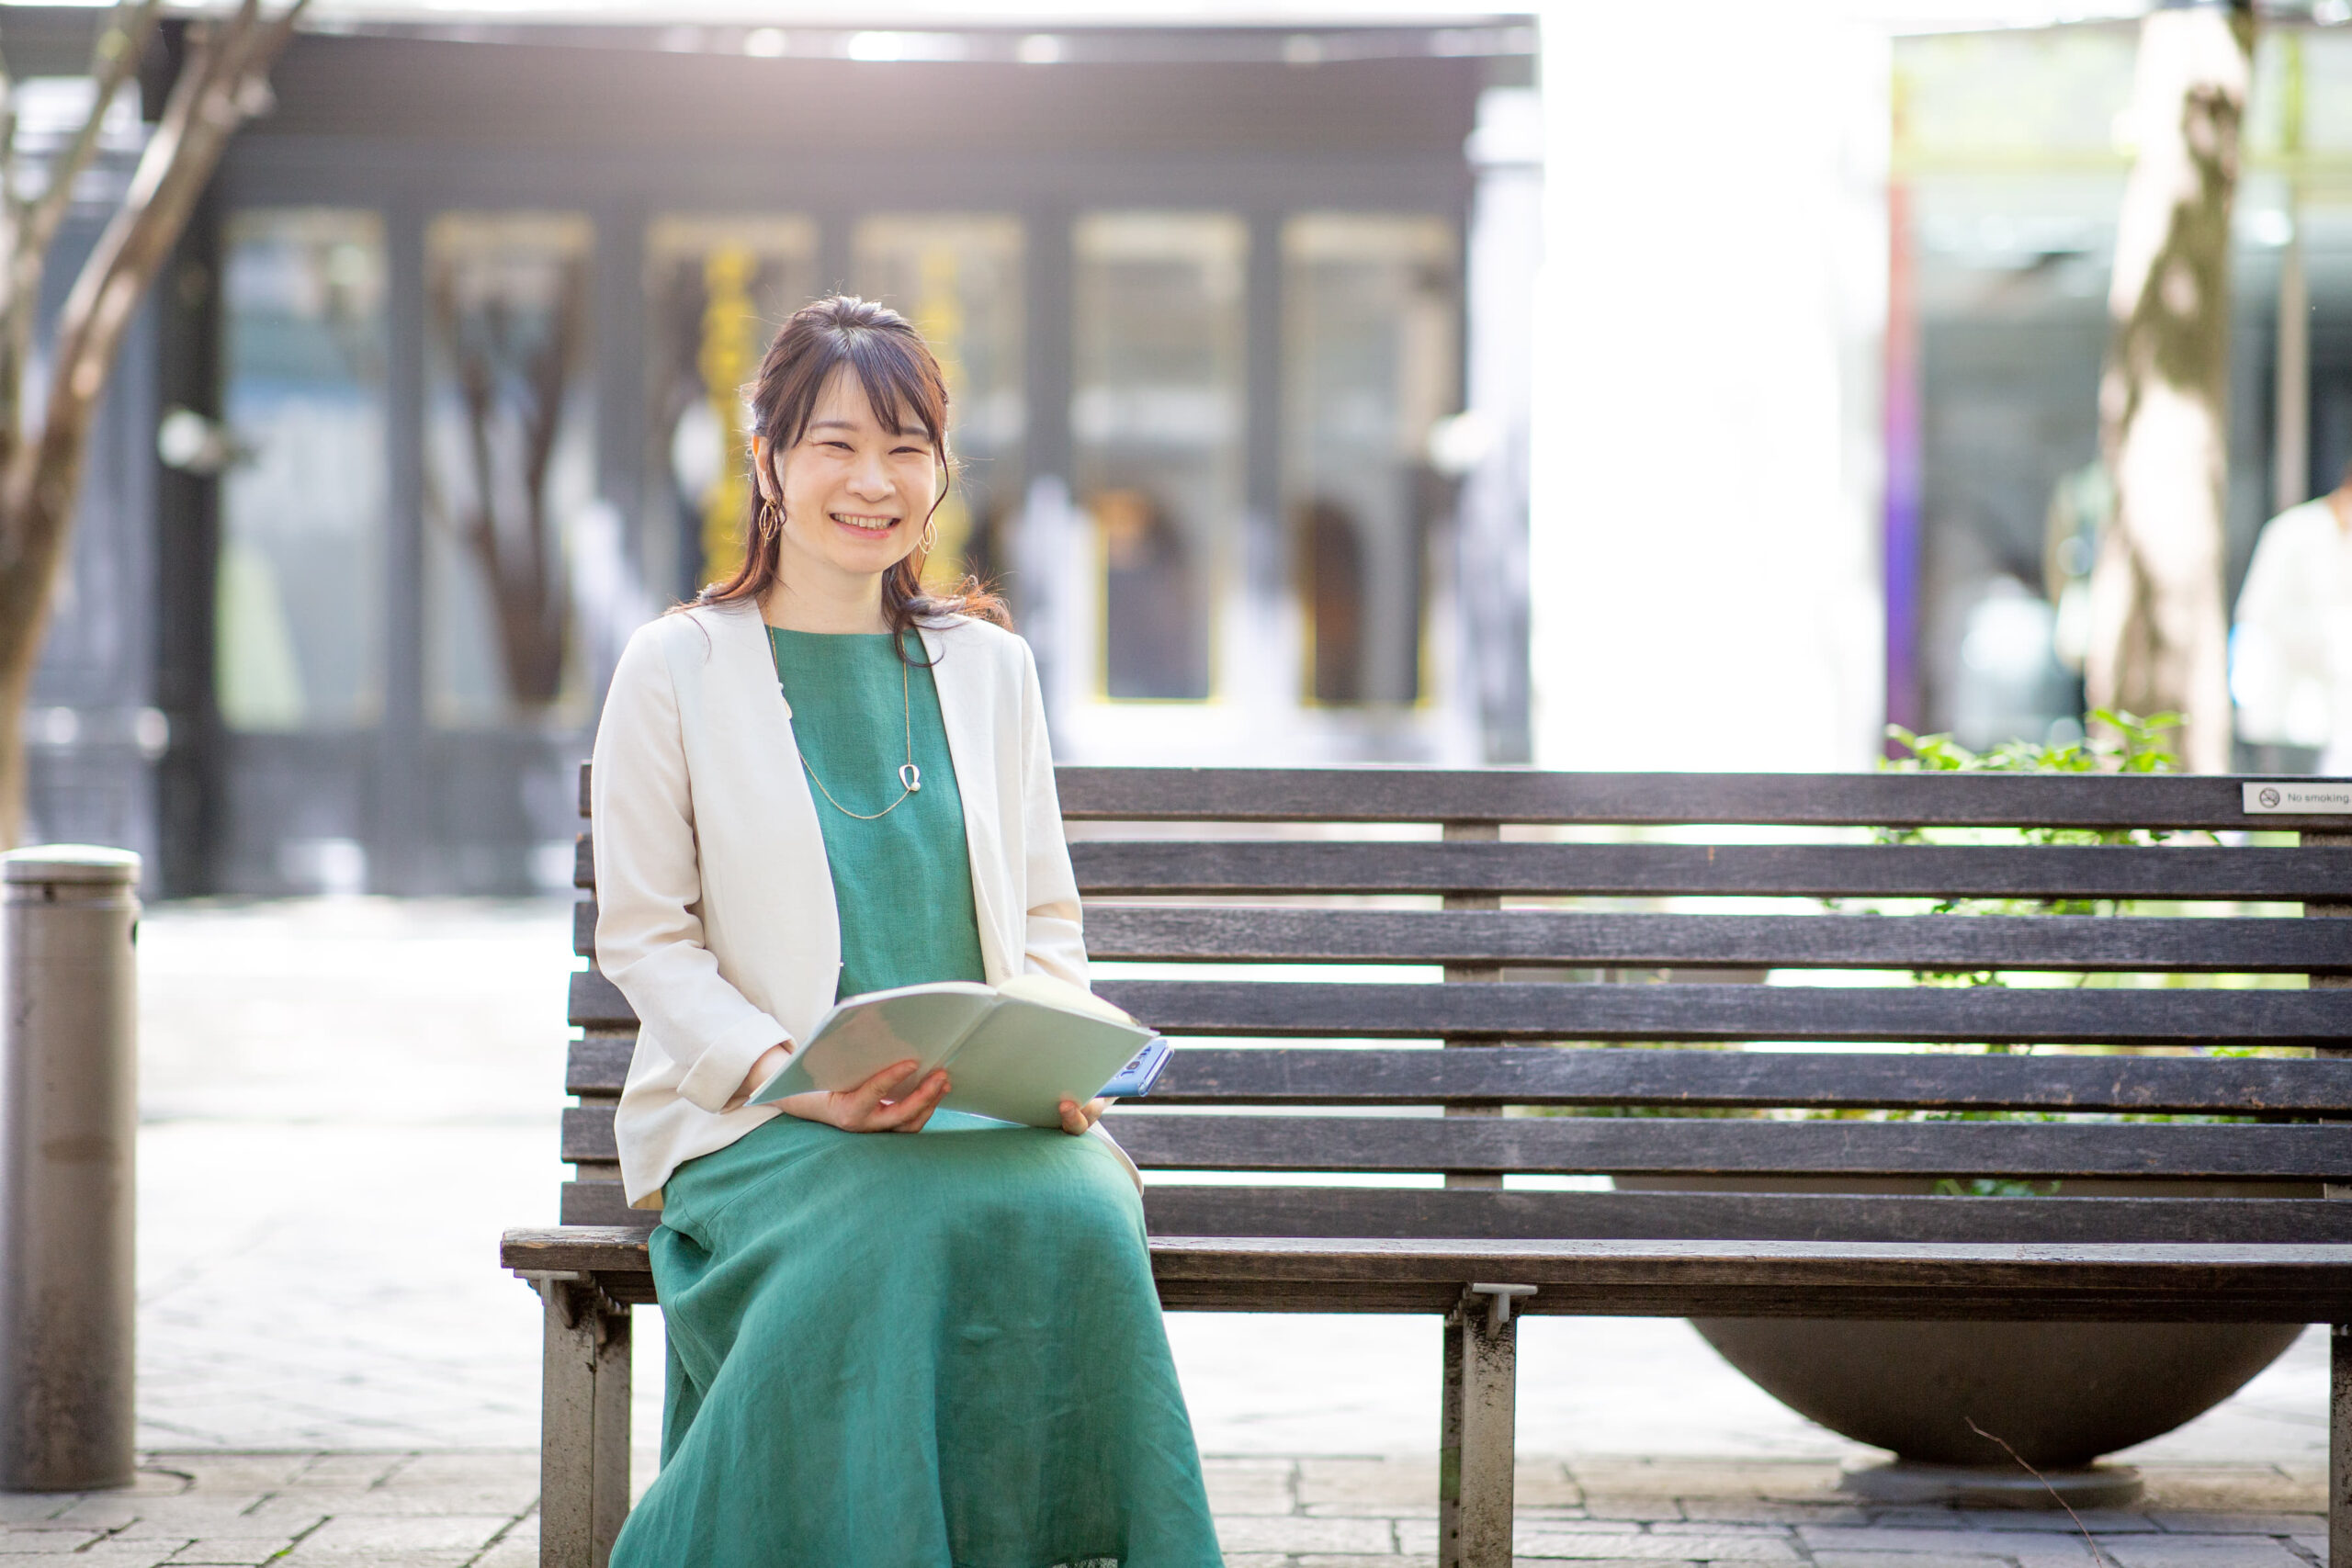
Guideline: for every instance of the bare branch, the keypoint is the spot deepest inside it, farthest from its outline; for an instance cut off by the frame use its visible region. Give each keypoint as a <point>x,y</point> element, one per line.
<point>203,112</point>
<point>8,195</point>
<point>114,58</point>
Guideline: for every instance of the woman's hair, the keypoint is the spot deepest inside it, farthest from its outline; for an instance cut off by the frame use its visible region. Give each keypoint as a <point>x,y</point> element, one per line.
<point>899,376</point>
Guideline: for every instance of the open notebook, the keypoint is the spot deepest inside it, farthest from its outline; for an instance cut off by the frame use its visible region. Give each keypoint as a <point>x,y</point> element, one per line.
<point>1014,1052</point>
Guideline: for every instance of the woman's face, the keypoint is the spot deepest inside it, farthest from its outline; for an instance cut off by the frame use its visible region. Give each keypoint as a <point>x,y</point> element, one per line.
<point>854,495</point>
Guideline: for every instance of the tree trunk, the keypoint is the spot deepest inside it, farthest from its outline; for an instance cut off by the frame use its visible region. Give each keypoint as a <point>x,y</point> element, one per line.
<point>2159,631</point>
<point>222,84</point>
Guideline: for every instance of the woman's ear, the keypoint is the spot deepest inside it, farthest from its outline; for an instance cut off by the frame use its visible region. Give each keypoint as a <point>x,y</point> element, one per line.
<point>761,473</point>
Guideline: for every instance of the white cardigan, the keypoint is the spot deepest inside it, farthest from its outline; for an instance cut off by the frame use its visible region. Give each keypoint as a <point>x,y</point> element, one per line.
<point>715,903</point>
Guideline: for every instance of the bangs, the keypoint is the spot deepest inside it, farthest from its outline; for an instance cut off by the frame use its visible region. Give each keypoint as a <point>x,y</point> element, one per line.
<point>898,377</point>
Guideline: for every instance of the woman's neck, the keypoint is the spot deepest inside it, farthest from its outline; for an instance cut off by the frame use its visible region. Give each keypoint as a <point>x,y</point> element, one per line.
<point>824,601</point>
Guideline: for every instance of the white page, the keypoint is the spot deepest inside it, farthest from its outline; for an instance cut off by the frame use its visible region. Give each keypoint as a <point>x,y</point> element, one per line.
<point>865,1034</point>
<point>1025,1059</point>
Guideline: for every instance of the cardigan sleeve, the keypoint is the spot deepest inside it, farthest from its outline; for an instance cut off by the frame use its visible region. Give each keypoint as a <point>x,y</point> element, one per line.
<point>649,887</point>
<point>1052,940</point>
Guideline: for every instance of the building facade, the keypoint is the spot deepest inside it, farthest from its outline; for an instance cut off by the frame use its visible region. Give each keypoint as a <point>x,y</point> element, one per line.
<point>441,401</point>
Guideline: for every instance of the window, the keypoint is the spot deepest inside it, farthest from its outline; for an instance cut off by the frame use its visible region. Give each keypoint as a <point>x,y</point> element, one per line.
<point>717,290</point>
<point>958,278</point>
<point>1156,417</point>
<point>298,594</point>
<point>509,465</point>
<point>1370,307</point>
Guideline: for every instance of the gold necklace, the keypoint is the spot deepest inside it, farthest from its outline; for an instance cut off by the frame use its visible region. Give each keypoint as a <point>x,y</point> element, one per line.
<point>910,776</point>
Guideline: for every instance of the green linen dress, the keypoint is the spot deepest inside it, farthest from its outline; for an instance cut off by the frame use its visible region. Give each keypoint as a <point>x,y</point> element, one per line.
<point>941,1351</point>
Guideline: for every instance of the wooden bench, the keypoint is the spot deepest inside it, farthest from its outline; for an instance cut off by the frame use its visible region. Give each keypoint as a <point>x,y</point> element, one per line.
<point>1481,1255</point>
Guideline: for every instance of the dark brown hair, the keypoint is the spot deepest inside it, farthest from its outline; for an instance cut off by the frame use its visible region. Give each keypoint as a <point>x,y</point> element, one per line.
<point>899,376</point>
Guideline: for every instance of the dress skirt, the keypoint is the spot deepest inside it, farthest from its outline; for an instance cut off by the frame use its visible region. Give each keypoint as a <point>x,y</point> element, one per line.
<point>938,1350</point>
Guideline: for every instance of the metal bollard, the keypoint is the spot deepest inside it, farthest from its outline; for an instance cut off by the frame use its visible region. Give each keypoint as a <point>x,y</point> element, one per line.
<point>68,1125</point>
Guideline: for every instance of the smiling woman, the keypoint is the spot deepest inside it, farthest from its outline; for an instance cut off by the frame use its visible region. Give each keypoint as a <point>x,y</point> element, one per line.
<point>849,450</point>
<point>818,780</point>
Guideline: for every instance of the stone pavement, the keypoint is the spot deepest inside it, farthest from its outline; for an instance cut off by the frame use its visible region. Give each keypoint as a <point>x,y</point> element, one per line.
<point>344,1101</point>
<point>473,1510</point>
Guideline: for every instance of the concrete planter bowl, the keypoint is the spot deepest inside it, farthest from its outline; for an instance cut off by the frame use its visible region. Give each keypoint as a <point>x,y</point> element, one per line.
<point>2060,1394</point>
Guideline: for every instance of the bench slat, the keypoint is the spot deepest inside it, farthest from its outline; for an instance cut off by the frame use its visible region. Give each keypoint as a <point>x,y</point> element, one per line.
<point>1469,1213</point>
<point>1145,867</point>
<point>1153,867</point>
<point>2140,1282</point>
<point>1504,795</point>
<point>2146,1281</point>
<point>1158,933</point>
<point>1865,1014</point>
<point>1549,1010</point>
<point>1743,1079</point>
<point>1614,1076</point>
<point>1510,794</point>
<point>1488,1214</point>
<point>1662,1146</point>
<point>1668,1145</point>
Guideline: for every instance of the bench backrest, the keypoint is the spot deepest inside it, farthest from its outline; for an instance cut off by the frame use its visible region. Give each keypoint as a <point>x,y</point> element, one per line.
<point>1264,910</point>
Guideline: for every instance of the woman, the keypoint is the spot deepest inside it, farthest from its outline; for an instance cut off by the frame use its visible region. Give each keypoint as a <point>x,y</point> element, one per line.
<point>813,782</point>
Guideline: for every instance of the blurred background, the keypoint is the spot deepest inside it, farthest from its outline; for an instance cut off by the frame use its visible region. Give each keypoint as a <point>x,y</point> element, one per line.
<point>1597,385</point>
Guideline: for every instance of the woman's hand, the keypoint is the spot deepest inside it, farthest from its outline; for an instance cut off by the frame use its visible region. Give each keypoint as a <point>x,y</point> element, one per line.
<point>1077,1118</point>
<point>876,1105</point>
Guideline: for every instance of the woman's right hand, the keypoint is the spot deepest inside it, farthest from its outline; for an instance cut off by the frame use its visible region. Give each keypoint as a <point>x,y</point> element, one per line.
<point>874,1106</point>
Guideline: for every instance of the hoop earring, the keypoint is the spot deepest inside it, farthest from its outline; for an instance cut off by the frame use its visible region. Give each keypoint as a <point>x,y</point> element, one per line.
<point>770,520</point>
<point>930,540</point>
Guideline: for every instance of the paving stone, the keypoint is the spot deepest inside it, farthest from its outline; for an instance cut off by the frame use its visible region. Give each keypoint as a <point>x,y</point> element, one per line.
<point>1707,1478</point>
<point>1640,1507</point>
<point>419,1557</point>
<point>1248,1485</point>
<point>2200,1551</point>
<point>242,1552</point>
<point>1646,1548</point>
<point>1322,1560</point>
<point>2057,1521</point>
<point>34,1507</point>
<point>349,1536</point>
<point>1247,1533</point>
<point>510,1554</point>
<point>1762,1511</point>
<point>22,1542</point>
<point>2234,1489</point>
<point>105,1554</point>
<point>349,1471</point>
<point>1720,1528</point>
<point>184,1513</point>
<point>518,1547</point>
<point>2210,1522</point>
<point>208,1471</point>
<point>1883,1539</point>
<point>296,1503</point>
<point>1906,1560</point>
<point>2315,1544</point>
<point>1392,1485</point>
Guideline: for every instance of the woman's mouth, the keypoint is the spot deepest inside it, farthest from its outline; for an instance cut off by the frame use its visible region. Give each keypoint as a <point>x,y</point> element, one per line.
<point>864,521</point>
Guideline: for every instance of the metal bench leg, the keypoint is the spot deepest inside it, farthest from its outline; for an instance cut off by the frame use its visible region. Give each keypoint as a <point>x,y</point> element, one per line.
<point>1449,1446</point>
<point>2339,1443</point>
<point>1475,1469</point>
<point>583,1423</point>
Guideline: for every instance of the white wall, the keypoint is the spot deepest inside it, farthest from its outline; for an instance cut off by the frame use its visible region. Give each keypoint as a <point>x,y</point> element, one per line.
<point>1706,451</point>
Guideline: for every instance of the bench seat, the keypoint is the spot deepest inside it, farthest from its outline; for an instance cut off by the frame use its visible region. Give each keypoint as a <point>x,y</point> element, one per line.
<point>2147,1282</point>
<point>1564,1017</point>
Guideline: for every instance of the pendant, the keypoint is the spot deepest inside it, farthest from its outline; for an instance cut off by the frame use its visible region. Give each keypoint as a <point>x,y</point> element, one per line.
<point>909,778</point>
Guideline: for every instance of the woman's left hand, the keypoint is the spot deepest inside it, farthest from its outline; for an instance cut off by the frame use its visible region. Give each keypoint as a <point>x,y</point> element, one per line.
<point>1077,1118</point>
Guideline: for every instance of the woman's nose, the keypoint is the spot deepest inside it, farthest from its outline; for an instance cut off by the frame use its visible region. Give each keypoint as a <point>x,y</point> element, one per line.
<point>871,476</point>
